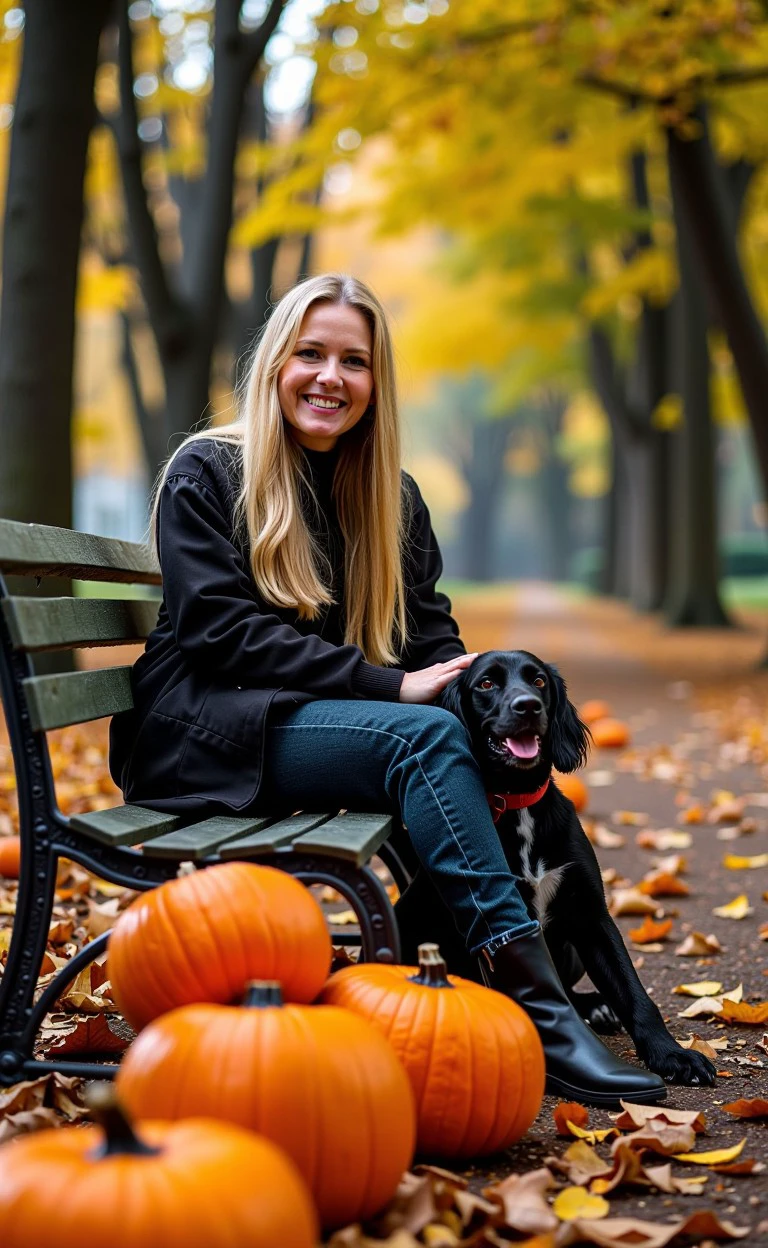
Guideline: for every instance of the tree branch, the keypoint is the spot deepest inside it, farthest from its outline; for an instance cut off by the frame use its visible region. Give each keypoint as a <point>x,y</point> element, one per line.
<point>610,388</point>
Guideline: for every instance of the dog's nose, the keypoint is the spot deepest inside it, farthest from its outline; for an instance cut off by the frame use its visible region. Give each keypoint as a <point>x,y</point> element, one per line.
<point>527,704</point>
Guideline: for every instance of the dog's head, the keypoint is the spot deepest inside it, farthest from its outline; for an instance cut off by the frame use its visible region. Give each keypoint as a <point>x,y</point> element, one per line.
<point>516,710</point>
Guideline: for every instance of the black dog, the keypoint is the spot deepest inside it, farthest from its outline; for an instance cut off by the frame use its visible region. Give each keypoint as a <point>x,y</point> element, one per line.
<point>521,724</point>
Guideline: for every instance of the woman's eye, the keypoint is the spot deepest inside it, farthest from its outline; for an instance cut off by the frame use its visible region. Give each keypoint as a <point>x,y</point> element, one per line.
<point>307,353</point>
<point>540,682</point>
<point>487,684</point>
<point>357,362</point>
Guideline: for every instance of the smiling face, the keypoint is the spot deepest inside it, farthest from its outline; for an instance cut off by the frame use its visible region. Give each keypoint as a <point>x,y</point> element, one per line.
<point>326,386</point>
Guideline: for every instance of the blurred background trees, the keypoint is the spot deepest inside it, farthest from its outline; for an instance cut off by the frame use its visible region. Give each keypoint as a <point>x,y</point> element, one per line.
<point>564,207</point>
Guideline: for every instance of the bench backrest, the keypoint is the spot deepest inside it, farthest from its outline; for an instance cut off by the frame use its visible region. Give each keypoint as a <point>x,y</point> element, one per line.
<point>34,624</point>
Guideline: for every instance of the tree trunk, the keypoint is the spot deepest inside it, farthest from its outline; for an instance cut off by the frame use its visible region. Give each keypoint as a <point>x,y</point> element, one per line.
<point>41,246</point>
<point>485,474</point>
<point>704,215</point>
<point>693,597</point>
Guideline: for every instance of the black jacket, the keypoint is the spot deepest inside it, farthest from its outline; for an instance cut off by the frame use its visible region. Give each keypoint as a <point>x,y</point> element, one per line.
<point>221,656</point>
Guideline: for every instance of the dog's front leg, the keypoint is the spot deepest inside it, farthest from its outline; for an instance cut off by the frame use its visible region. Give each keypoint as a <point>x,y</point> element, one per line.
<point>610,968</point>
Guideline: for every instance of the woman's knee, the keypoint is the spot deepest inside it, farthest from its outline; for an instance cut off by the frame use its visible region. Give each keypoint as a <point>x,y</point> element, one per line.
<point>433,728</point>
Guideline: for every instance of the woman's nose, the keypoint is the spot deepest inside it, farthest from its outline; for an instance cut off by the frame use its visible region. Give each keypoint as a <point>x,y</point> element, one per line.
<point>329,373</point>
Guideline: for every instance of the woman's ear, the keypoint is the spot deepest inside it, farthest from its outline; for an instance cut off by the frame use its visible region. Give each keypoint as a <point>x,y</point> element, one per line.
<point>569,737</point>
<point>451,700</point>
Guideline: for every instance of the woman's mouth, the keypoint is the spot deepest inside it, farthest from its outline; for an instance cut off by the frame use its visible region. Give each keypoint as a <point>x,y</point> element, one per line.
<point>321,403</point>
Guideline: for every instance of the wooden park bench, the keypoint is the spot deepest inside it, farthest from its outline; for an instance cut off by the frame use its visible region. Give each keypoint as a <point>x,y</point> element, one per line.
<point>129,845</point>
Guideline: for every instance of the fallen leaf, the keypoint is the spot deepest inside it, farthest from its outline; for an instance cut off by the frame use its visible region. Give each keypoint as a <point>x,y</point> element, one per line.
<point>634,1116</point>
<point>697,945</point>
<point>569,1111</point>
<point>747,1165</point>
<point>667,1138</point>
<point>631,901</point>
<point>344,918</point>
<point>663,839</point>
<point>703,1006</point>
<point>28,1120</point>
<point>662,884</point>
<point>692,814</point>
<point>735,862</point>
<point>757,1107</point>
<point>762,931</point>
<point>739,908</point>
<point>591,1137</point>
<point>617,1232</point>
<point>716,1157</point>
<point>672,864</point>
<point>94,1034</point>
<point>650,931</point>
<point>523,1202</point>
<point>577,1202</point>
<point>604,838</point>
<point>629,818</point>
<point>704,988</point>
<point>741,1012</point>
<point>708,1048</point>
<point>580,1163</point>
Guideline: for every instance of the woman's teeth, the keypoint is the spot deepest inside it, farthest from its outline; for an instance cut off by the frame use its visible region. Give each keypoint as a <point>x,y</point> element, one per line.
<point>326,405</point>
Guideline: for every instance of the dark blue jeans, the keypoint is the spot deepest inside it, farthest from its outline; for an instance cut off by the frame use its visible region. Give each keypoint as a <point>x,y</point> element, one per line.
<point>416,761</point>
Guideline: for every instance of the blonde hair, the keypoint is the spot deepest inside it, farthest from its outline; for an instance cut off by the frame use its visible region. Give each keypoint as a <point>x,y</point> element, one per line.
<point>286,561</point>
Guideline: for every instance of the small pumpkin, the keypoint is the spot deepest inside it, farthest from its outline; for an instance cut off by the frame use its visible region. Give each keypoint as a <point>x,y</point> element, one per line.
<point>574,789</point>
<point>319,1081</point>
<point>593,710</point>
<point>203,936</point>
<point>10,857</point>
<point>610,734</point>
<point>474,1058</point>
<point>192,1184</point>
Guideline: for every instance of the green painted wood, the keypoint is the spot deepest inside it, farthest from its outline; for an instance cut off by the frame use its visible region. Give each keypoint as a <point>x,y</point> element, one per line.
<point>73,698</point>
<point>124,825</point>
<point>276,836</point>
<point>352,836</point>
<point>200,840</point>
<point>65,623</point>
<point>42,550</point>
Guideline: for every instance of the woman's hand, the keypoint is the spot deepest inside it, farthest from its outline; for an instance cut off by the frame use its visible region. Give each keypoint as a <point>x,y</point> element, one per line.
<point>424,686</point>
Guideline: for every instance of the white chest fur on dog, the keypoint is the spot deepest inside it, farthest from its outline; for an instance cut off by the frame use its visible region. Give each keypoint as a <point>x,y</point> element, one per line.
<point>544,882</point>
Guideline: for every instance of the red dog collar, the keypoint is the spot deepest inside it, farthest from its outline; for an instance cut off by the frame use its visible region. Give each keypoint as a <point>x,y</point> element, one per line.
<point>500,803</point>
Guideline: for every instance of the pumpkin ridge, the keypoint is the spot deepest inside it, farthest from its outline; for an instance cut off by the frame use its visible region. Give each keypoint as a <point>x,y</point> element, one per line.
<point>521,1062</point>
<point>223,952</point>
<point>493,1127</point>
<point>372,1162</point>
<point>170,933</point>
<point>309,1039</point>
<point>473,1081</point>
<point>143,969</point>
<point>417,1026</point>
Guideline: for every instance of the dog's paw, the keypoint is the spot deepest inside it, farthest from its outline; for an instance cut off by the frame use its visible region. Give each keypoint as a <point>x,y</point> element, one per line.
<point>683,1066</point>
<point>596,1011</point>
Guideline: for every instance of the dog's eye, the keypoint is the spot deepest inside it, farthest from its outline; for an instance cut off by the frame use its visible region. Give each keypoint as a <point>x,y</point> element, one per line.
<point>487,684</point>
<point>540,682</point>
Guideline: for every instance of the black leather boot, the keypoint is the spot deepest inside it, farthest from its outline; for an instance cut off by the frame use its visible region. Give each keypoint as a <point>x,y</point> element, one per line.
<point>579,1066</point>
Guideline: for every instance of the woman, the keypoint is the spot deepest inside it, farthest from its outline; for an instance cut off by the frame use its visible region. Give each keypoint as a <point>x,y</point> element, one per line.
<point>301,644</point>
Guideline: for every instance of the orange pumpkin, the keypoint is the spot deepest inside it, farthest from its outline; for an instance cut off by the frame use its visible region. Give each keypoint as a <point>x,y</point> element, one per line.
<point>574,789</point>
<point>10,857</point>
<point>611,734</point>
<point>590,712</point>
<point>474,1058</point>
<point>319,1081</point>
<point>205,935</point>
<point>193,1184</point>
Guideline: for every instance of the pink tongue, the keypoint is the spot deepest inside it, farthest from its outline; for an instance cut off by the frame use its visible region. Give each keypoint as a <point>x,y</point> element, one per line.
<point>523,747</point>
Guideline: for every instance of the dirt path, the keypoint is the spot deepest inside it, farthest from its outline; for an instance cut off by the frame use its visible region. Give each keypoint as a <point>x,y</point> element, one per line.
<point>697,710</point>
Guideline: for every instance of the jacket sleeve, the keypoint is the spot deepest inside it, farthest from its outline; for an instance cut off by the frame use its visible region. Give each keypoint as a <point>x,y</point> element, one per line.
<point>218,622</point>
<point>434,633</point>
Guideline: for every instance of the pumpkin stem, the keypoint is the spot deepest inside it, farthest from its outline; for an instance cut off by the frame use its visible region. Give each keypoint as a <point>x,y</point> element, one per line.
<point>433,971</point>
<point>261,993</point>
<point>119,1135</point>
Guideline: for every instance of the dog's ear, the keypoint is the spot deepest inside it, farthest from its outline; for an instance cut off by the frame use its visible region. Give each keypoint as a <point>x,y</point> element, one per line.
<point>450,698</point>
<point>569,737</point>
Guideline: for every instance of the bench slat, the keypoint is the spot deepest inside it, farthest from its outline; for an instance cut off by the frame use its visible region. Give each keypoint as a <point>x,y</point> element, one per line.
<point>43,550</point>
<point>64,623</point>
<point>354,837</point>
<point>74,697</point>
<point>124,825</point>
<point>276,836</point>
<point>199,840</point>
